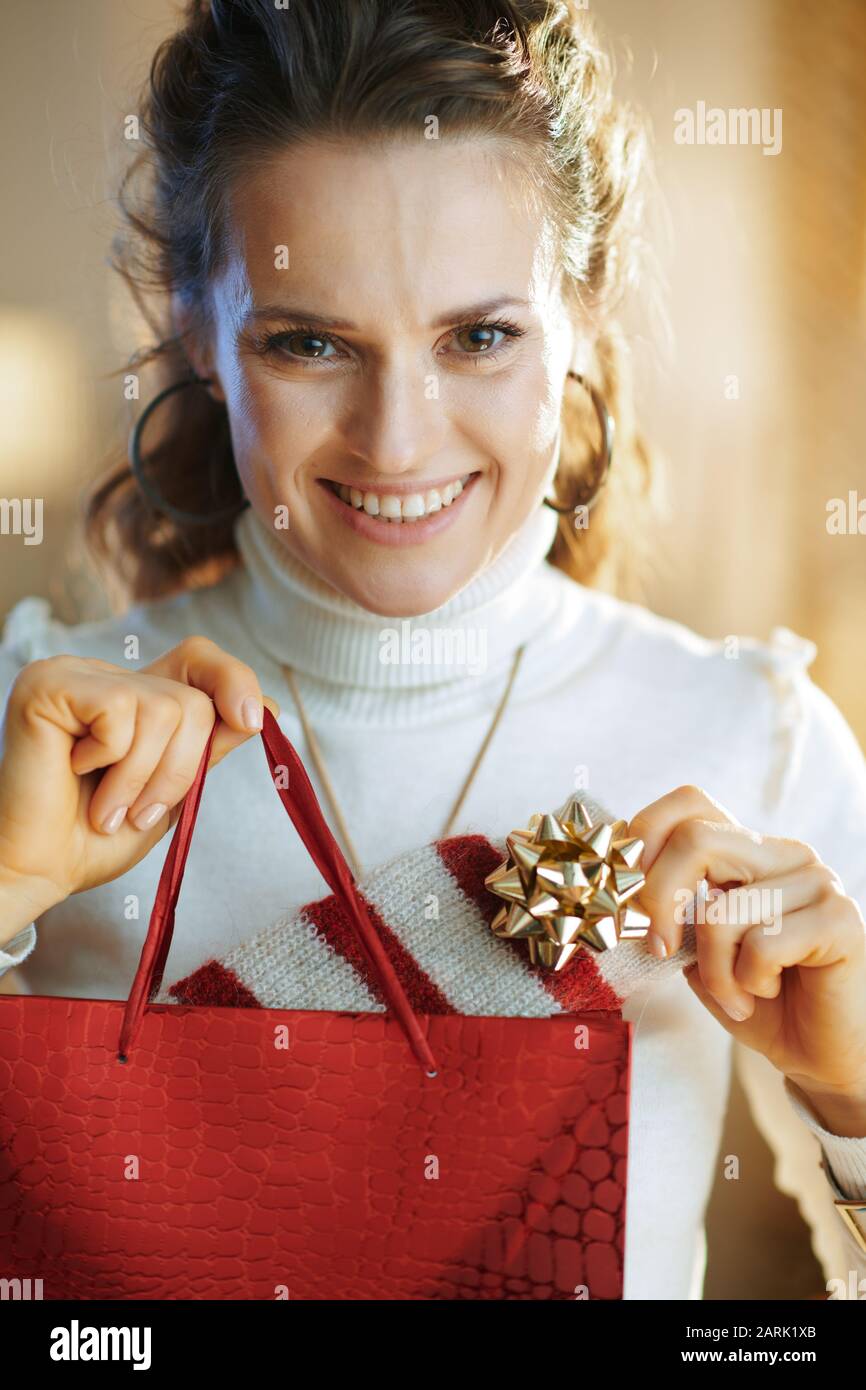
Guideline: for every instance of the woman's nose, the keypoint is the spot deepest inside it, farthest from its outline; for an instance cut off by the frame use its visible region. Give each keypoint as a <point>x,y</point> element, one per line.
<point>396,420</point>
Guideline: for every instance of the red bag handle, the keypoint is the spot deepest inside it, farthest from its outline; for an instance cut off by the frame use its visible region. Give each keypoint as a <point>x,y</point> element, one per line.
<point>303,807</point>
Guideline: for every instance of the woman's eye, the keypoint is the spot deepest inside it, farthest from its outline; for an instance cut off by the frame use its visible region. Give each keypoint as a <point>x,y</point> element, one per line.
<point>479,339</point>
<point>304,345</point>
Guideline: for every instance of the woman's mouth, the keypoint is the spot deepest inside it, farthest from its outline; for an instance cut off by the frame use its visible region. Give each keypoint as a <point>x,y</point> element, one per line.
<point>400,518</point>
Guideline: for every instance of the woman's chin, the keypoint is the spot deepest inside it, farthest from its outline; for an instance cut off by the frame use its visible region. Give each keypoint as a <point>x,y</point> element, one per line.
<point>402,599</point>
<point>402,581</point>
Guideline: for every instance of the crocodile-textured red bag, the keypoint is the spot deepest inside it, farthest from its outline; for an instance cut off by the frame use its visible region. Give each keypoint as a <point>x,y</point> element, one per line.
<point>152,1151</point>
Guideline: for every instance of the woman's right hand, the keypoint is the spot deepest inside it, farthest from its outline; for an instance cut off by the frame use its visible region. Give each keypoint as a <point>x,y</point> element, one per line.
<point>96,762</point>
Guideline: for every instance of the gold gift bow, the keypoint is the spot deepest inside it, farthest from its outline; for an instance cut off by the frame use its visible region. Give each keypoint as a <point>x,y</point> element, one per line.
<point>567,881</point>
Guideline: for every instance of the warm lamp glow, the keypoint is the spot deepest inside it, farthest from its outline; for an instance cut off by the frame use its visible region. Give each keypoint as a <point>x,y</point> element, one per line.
<point>41,405</point>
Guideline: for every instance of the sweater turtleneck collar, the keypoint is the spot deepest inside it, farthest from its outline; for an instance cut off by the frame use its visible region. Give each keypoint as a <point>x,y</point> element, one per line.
<point>301,621</point>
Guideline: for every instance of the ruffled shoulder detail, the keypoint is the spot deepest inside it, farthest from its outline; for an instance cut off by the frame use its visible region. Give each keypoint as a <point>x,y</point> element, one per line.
<point>27,628</point>
<point>787,652</point>
<point>785,659</point>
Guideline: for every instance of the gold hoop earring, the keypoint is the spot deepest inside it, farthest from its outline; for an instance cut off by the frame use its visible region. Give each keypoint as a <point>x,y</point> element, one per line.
<point>603,459</point>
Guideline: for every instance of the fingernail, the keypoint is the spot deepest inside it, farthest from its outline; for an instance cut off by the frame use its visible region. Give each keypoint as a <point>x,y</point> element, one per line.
<point>149,815</point>
<point>738,1015</point>
<point>115,820</point>
<point>656,945</point>
<point>252,713</point>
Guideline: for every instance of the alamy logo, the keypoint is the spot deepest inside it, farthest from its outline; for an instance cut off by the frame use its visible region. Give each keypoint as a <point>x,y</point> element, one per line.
<point>76,1343</point>
<point>743,125</point>
<point>21,1289</point>
<point>22,516</point>
<point>416,645</point>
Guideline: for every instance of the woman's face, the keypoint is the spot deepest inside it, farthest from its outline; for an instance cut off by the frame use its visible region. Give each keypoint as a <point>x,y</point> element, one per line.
<point>388,328</point>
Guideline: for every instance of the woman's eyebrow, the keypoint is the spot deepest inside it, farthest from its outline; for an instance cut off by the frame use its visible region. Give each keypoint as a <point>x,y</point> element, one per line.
<point>472,311</point>
<point>469,311</point>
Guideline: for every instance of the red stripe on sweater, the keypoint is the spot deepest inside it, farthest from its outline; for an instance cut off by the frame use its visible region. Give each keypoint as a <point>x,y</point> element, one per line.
<point>333,923</point>
<point>580,986</point>
<point>469,859</point>
<point>213,984</point>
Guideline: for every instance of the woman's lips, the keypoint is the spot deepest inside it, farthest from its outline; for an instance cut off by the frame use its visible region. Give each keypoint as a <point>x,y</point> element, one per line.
<point>397,532</point>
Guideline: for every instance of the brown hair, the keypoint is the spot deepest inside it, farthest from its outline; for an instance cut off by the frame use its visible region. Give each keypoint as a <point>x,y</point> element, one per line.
<point>243,78</point>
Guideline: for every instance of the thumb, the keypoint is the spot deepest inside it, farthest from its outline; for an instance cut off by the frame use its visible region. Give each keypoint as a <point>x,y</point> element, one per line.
<point>225,740</point>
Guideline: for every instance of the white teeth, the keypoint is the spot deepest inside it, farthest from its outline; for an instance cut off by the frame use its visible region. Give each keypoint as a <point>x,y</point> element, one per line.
<point>410,507</point>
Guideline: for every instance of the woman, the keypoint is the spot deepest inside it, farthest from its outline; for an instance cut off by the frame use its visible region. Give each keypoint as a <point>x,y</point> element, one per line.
<point>393,236</point>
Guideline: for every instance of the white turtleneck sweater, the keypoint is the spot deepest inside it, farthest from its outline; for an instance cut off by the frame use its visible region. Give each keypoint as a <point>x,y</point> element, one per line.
<point>609,697</point>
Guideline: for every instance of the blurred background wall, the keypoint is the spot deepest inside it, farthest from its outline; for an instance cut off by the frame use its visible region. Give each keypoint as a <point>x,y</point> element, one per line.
<point>757,401</point>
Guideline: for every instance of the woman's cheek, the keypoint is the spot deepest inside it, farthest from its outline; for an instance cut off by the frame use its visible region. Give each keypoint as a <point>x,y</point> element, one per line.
<point>246,412</point>
<point>260,433</point>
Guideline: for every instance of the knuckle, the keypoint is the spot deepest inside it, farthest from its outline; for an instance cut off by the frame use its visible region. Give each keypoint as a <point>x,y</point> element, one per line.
<point>122,700</point>
<point>756,945</point>
<point>694,799</point>
<point>844,909</point>
<point>163,712</point>
<point>133,783</point>
<point>853,919</point>
<point>22,688</point>
<point>758,976</point>
<point>119,700</point>
<point>638,826</point>
<point>200,706</point>
<point>242,669</point>
<point>826,882</point>
<point>34,676</point>
<point>688,834</point>
<point>197,646</point>
<point>689,792</point>
<point>198,709</point>
<point>41,667</point>
<point>809,854</point>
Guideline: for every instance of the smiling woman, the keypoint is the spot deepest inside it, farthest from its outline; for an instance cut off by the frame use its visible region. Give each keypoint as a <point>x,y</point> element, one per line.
<point>386,283</point>
<point>389,240</point>
<point>379,386</point>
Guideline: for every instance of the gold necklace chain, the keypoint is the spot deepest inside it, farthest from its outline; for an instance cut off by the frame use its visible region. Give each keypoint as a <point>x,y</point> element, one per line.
<point>327,785</point>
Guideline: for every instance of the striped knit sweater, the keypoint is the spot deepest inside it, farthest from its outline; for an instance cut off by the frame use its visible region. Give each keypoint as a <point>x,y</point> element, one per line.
<point>433,913</point>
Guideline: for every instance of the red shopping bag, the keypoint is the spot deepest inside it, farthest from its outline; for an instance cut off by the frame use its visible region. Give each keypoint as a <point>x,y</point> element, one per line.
<point>152,1151</point>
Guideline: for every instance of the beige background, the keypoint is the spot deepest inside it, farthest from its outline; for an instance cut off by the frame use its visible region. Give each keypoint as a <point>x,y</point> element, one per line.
<point>765,260</point>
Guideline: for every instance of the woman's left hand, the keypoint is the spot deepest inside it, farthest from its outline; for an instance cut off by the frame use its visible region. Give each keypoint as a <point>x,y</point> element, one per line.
<point>783,969</point>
